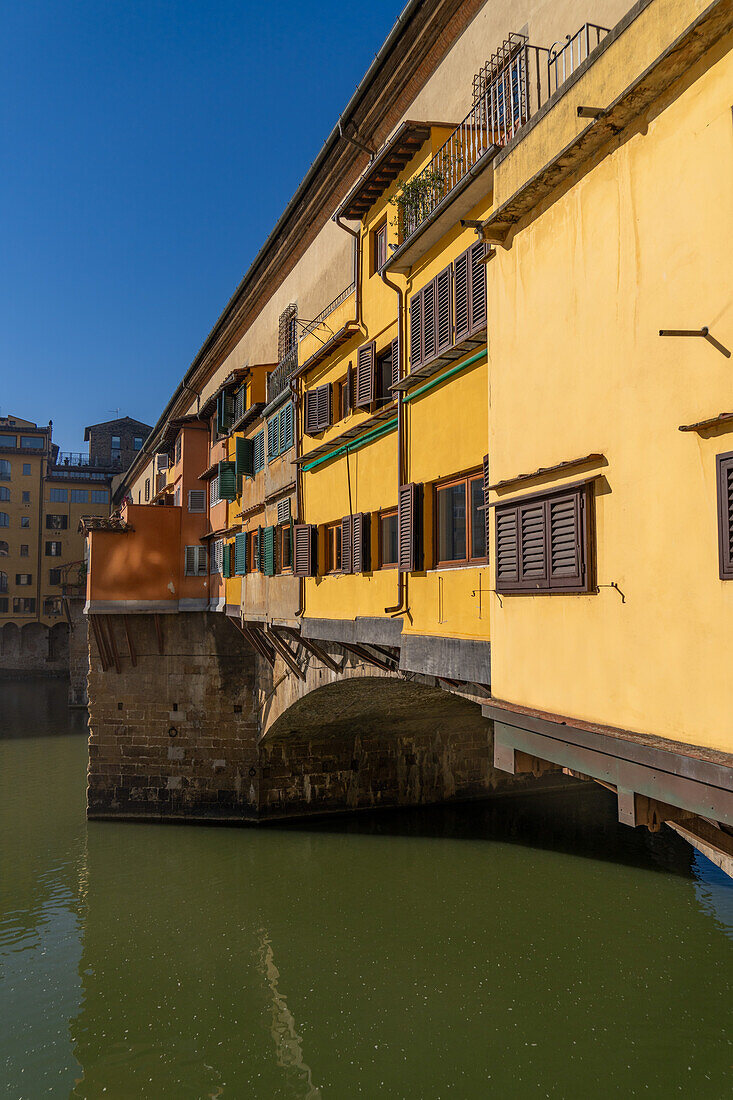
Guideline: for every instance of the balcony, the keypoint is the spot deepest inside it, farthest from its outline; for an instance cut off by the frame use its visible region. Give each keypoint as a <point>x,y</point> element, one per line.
<point>508,90</point>
<point>79,460</point>
<point>279,378</point>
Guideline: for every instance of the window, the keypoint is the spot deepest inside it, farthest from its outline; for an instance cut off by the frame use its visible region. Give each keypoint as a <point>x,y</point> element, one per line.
<point>26,469</point>
<point>23,579</point>
<point>543,543</point>
<point>100,496</point>
<point>4,604</point>
<point>379,247</point>
<point>253,550</point>
<point>3,581</point>
<point>285,554</point>
<point>59,496</point>
<point>387,373</point>
<point>147,489</point>
<point>24,550</point>
<point>115,444</point>
<point>54,576</point>
<point>177,497</point>
<point>8,440</point>
<point>25,521</point>
<point>280,432</point>
<point>305,550</point>
<point>450,308</point>
<point>217,555</point>
<point>138,443</point>
<point>32,442</point>
<point>5,469</point>
<point>318,409</point>
<point>214,497</point>
<point>388,539</point>
<point>345,393</point>
<point>24,605</point>
<point>196,500</point>
<point>196,564</point>
<point>79,496</point>
<point>724,470</point>
<point>258,452</point>
<point>57,523</point>
<point>4,519</point>
<point>4,492</point>
<point>459,517</point>
<point>53,549</point>
<point>5,549</point>
<point>179,448</point>
<point>25,497</point>
<point>333,548</point>
<point>52,605</point>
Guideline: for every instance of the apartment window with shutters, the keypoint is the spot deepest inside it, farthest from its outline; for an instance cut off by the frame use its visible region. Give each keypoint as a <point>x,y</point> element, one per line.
<point>318,409</point>
<point>258,452</point>
<point>195,563</point>
<point>53,549</point>
<point>253,551</point>
<point>379,246</point>
<point>52,605</point>
<point>196,500</point>
<point>724,470</point>
<point>56,523</point>
<point>214,497</point>
<point>385,375</point>
<point>54,576</point>
<point>460,535</point>
<point>24,605</point>
<point>387,536</point>
<point>217,555</point>
<point>543,543</point>
<point>333,547</point>
<point>285,555</point>
<point>23,579</point>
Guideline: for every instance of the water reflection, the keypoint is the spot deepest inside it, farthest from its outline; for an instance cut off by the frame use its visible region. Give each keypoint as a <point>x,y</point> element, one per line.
<point>529,948</point>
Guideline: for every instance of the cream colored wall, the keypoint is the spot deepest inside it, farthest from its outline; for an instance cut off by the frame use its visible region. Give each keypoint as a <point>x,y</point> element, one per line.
<point>642,242</point>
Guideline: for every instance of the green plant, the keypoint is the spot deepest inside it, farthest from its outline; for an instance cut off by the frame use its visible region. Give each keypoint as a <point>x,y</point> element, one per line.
<point>416,197</point>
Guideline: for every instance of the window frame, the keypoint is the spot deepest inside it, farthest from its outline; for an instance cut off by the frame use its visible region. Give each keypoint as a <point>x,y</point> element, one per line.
<point>387,513</point>
<point>332,548</point>
<point>283,539</point>
<point>380,247</point>
<point>471,559</point>
<point>723,468</point>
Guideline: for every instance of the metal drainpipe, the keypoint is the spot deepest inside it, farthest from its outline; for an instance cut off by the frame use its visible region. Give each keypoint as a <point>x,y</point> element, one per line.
<point>295,390</point>
<point>401,578</point>
<point>357,265</point>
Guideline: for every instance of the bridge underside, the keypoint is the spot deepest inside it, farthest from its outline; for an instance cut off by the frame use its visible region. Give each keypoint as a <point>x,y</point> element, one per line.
<point>188,722</point>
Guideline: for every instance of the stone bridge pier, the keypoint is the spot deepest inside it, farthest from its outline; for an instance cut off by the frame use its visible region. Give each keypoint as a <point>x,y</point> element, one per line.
<point>192,718</point>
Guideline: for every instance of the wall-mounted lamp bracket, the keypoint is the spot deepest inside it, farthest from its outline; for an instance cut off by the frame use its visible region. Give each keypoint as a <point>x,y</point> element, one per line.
<point>704,332</point>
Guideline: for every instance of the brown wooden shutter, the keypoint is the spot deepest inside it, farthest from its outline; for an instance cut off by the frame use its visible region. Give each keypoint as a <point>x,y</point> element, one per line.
<point>533,545</point>
<point>461,312</point>
<point>408,521</point>
<point>348,403</point>
<point>311,412</point>
<point>428,322</point>
<point>724,464</point>
<point>486,504</point>
<point>565,537</point>
<point>507,548</point>
<point>324,403</point>
<point>395,362</point>
<point>346,558</point>
<point>304,564</point>
<point>360,557</point>
<point>444,309</point>
<point>365,372</point>
<point>477,287</point>
<point>415,331</point>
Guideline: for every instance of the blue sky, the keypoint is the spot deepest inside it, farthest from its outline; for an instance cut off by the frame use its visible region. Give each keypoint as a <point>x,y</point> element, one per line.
<point>147,149</point>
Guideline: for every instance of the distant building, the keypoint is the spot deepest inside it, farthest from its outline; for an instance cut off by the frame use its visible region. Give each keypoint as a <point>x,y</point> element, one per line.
<point>115,443</point>
<point>44,493</point>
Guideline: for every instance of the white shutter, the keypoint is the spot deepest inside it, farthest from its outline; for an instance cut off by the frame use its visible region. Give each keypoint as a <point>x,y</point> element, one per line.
<point>214,491</point>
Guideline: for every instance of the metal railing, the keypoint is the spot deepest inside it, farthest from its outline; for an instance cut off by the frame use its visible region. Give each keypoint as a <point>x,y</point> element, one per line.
<point>79,458</point>
<point>311,326</point>
<point>513,84</point>
<point>278,379</point>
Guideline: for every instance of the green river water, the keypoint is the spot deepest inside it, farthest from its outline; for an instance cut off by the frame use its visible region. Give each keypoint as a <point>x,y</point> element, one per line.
<point>513,949</point>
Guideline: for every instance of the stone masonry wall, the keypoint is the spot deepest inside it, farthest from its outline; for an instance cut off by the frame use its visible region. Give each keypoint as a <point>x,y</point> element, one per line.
<point>78,654</point>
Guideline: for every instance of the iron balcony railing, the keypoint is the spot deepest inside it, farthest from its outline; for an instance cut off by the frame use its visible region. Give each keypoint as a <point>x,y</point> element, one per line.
<point>78,458</point>
<point>311,326</point>
<point>279,378</point>
<point>513,84</point>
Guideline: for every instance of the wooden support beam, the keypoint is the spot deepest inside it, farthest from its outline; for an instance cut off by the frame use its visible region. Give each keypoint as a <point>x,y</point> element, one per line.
<point>256,639</point>
<point>100,645</point>
<point>130,646</point>
<point>285,652</point>
<point>159,633</point>
<point>112,644</point>
<point>364,655</point>
<point>318,651</point>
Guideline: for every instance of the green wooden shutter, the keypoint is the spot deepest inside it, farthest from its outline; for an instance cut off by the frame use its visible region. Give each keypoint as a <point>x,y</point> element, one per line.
<point>268,555</point>
<point>243,460</point>
<point>240,554</point>
<point>226,559</point>
<point>227,481</point>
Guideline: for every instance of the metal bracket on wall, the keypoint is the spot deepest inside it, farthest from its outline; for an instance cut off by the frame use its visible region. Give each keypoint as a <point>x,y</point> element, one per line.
<point>704,332</point>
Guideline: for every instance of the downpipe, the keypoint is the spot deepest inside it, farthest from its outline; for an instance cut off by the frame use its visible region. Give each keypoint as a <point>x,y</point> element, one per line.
<point>401,606</point>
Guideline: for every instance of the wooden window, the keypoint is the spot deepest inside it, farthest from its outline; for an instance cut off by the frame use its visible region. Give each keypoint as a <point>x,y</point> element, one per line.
<point>214,497</point>
<point>345,564</point>
<point>318,409</point>
<point>196,500</point>
<point>365,371</point>
<point>273,438</point>
<point>409,519</point>
<point>385,374</point>
<point>469,277</point>
<point>240,554</point>
<point>304,549</point>
<point>55,523</point>
<point>268,551</point>
<point>52,605</point>
<point>543,543</point>
<point>243,458</point>
<point>258,452</point>
<point>345,394</point>
<point>460,533</point>
<point>253,556</point>
<point>23,605</point>
<point>361,542</point>
<point>53,549</point>
<point>227,481</point>
<point>379,247</point>
<point>285,546</point>
<point>388,542</point>
<point>217,556</point>
<point>724,467</point>
<point>23,579</point>
<point>195,561</point>
<point>333,548</point>
<point>283,510</point>
<point>431,319</point>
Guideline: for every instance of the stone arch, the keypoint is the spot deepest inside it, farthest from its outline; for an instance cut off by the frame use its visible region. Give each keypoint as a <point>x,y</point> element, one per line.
<point>58,642</point>
<point>10,640</point>
<point>34,641</point>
